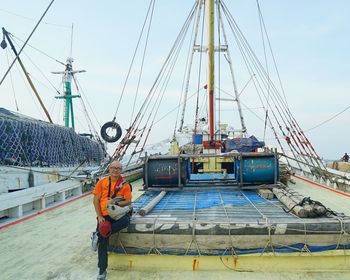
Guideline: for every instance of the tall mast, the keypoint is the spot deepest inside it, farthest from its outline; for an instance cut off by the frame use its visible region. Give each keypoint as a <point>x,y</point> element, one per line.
<point>68,76</point>
<point>210,26</point>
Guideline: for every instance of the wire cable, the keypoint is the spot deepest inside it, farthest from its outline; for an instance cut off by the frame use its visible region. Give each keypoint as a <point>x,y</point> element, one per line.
<point>328,120</point>
<point>25,43</point>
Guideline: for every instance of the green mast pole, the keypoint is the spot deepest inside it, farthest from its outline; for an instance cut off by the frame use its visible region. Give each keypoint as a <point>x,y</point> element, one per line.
<point>68,111</point>
<point>68,101</point>
<point>68,76</point>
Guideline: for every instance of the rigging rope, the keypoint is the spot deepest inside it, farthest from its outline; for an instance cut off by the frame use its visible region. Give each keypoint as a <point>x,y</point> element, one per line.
<point>264,82</point>
<point>266,65</point>
<point>12,85</point>
<point>143,60</point>
<point>41,72</point>
<point>188,68</point>
<point>328,120</point>
<point>133,58</point>
<point>25,43</point>
<point>86,114</point>
<point>32,19</point>
<point>154,94</point>
<point>40,51</point>
<point>198,87</point>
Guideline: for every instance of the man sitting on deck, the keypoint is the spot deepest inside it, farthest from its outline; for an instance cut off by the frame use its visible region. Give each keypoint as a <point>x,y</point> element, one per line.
<point>105,193</point>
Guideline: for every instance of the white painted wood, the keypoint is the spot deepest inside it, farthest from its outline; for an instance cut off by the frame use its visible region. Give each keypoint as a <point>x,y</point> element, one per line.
<point>13,199</point>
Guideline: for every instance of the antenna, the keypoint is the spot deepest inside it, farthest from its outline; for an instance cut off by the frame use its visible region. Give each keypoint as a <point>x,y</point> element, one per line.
<point>71,42</point>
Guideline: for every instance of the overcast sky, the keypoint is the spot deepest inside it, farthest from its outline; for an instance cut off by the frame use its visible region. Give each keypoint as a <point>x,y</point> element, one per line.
<point>310,40</point>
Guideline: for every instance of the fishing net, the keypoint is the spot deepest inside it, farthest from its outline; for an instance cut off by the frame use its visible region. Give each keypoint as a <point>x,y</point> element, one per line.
<point>30,142</point>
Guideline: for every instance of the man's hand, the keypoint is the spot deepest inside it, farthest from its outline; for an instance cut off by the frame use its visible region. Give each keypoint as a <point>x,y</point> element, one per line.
<point>101,219</point>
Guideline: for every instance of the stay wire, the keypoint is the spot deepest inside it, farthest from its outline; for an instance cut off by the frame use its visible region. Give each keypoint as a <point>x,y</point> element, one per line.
<point>279,78</point>
<point>257,65</point>
<point>88,103</point>
<point>86,113</point>
<point>149,97</point>
<point>41,72</point>
<point>133,58</point>
<point>32,19</point>
<point>328,120</point>
<point>38,50</point>
<point>12,84</point>
<point>25,82</point>
<point>272,55</point>
<point>232,24</point>
<point>143,60</point>
<point>163,87</point>
<point>25,43</point>
<point>199,82</point>
<point>167,65</point>
<point>253,57</point>
<point>266,65</point>
<point>131,132</point>
<point>188,67</point>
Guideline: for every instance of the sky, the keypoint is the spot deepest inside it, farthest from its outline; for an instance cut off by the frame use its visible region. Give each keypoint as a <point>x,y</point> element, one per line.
<point>310,41</point>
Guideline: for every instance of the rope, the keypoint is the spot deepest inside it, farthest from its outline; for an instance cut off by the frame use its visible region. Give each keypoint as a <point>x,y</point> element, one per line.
<point>188,67</point>
<point>141,68</point>
<point>154,248</point>
<point>25,43</point>
<point>12,85</point>
<point>32,19</point>
<point>86,114</point>
<point>163,74</point>
<point>194,219</point>
<point>133,58</point>
<point>228,221</point>
<point>265,82</point>
<point>38,50</point>
<point>309,201</point>
<point>198,87</point>
<point>55,90</point>
<point>328,120</point>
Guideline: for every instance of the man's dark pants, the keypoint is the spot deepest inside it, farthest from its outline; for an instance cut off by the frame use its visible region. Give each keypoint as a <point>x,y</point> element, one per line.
<point>103,242</point>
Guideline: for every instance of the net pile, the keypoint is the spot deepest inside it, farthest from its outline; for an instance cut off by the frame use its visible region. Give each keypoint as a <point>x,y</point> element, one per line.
<point>30,142</point>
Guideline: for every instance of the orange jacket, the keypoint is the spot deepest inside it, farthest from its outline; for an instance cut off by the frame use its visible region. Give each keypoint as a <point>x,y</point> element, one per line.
<point>101,190</point>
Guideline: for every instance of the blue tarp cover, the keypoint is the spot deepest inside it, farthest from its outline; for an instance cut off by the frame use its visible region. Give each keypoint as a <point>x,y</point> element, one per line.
<point>243,144</point>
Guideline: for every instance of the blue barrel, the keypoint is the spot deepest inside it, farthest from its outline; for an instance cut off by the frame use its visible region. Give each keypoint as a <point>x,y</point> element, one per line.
<point>197,139</point>
<point>257,169</point>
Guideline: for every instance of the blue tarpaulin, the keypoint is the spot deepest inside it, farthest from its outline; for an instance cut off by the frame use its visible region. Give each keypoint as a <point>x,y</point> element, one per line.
<point>243,144</point>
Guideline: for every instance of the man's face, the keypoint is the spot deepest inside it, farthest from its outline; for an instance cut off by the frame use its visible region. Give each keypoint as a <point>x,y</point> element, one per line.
<point>115,169</point>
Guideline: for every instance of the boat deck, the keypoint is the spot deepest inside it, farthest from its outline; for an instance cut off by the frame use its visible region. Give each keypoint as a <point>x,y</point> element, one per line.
<point>213,221</point>
<point>56,245</point>
<point>336,200</point>
<point>208,208</point>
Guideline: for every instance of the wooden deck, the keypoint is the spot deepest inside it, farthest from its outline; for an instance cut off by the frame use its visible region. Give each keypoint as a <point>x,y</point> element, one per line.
<point>56,245</point>
<point>336,200</point>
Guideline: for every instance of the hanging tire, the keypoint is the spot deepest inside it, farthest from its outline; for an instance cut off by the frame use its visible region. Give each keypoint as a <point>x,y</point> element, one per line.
<point>113,125</point>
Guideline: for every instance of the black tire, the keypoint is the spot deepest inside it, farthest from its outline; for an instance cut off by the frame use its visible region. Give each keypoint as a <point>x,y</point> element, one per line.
<point>106,137</point>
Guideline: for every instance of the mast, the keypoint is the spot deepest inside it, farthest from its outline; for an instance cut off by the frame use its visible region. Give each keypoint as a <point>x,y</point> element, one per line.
<point>210,26</point>
<point>68,76</point>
